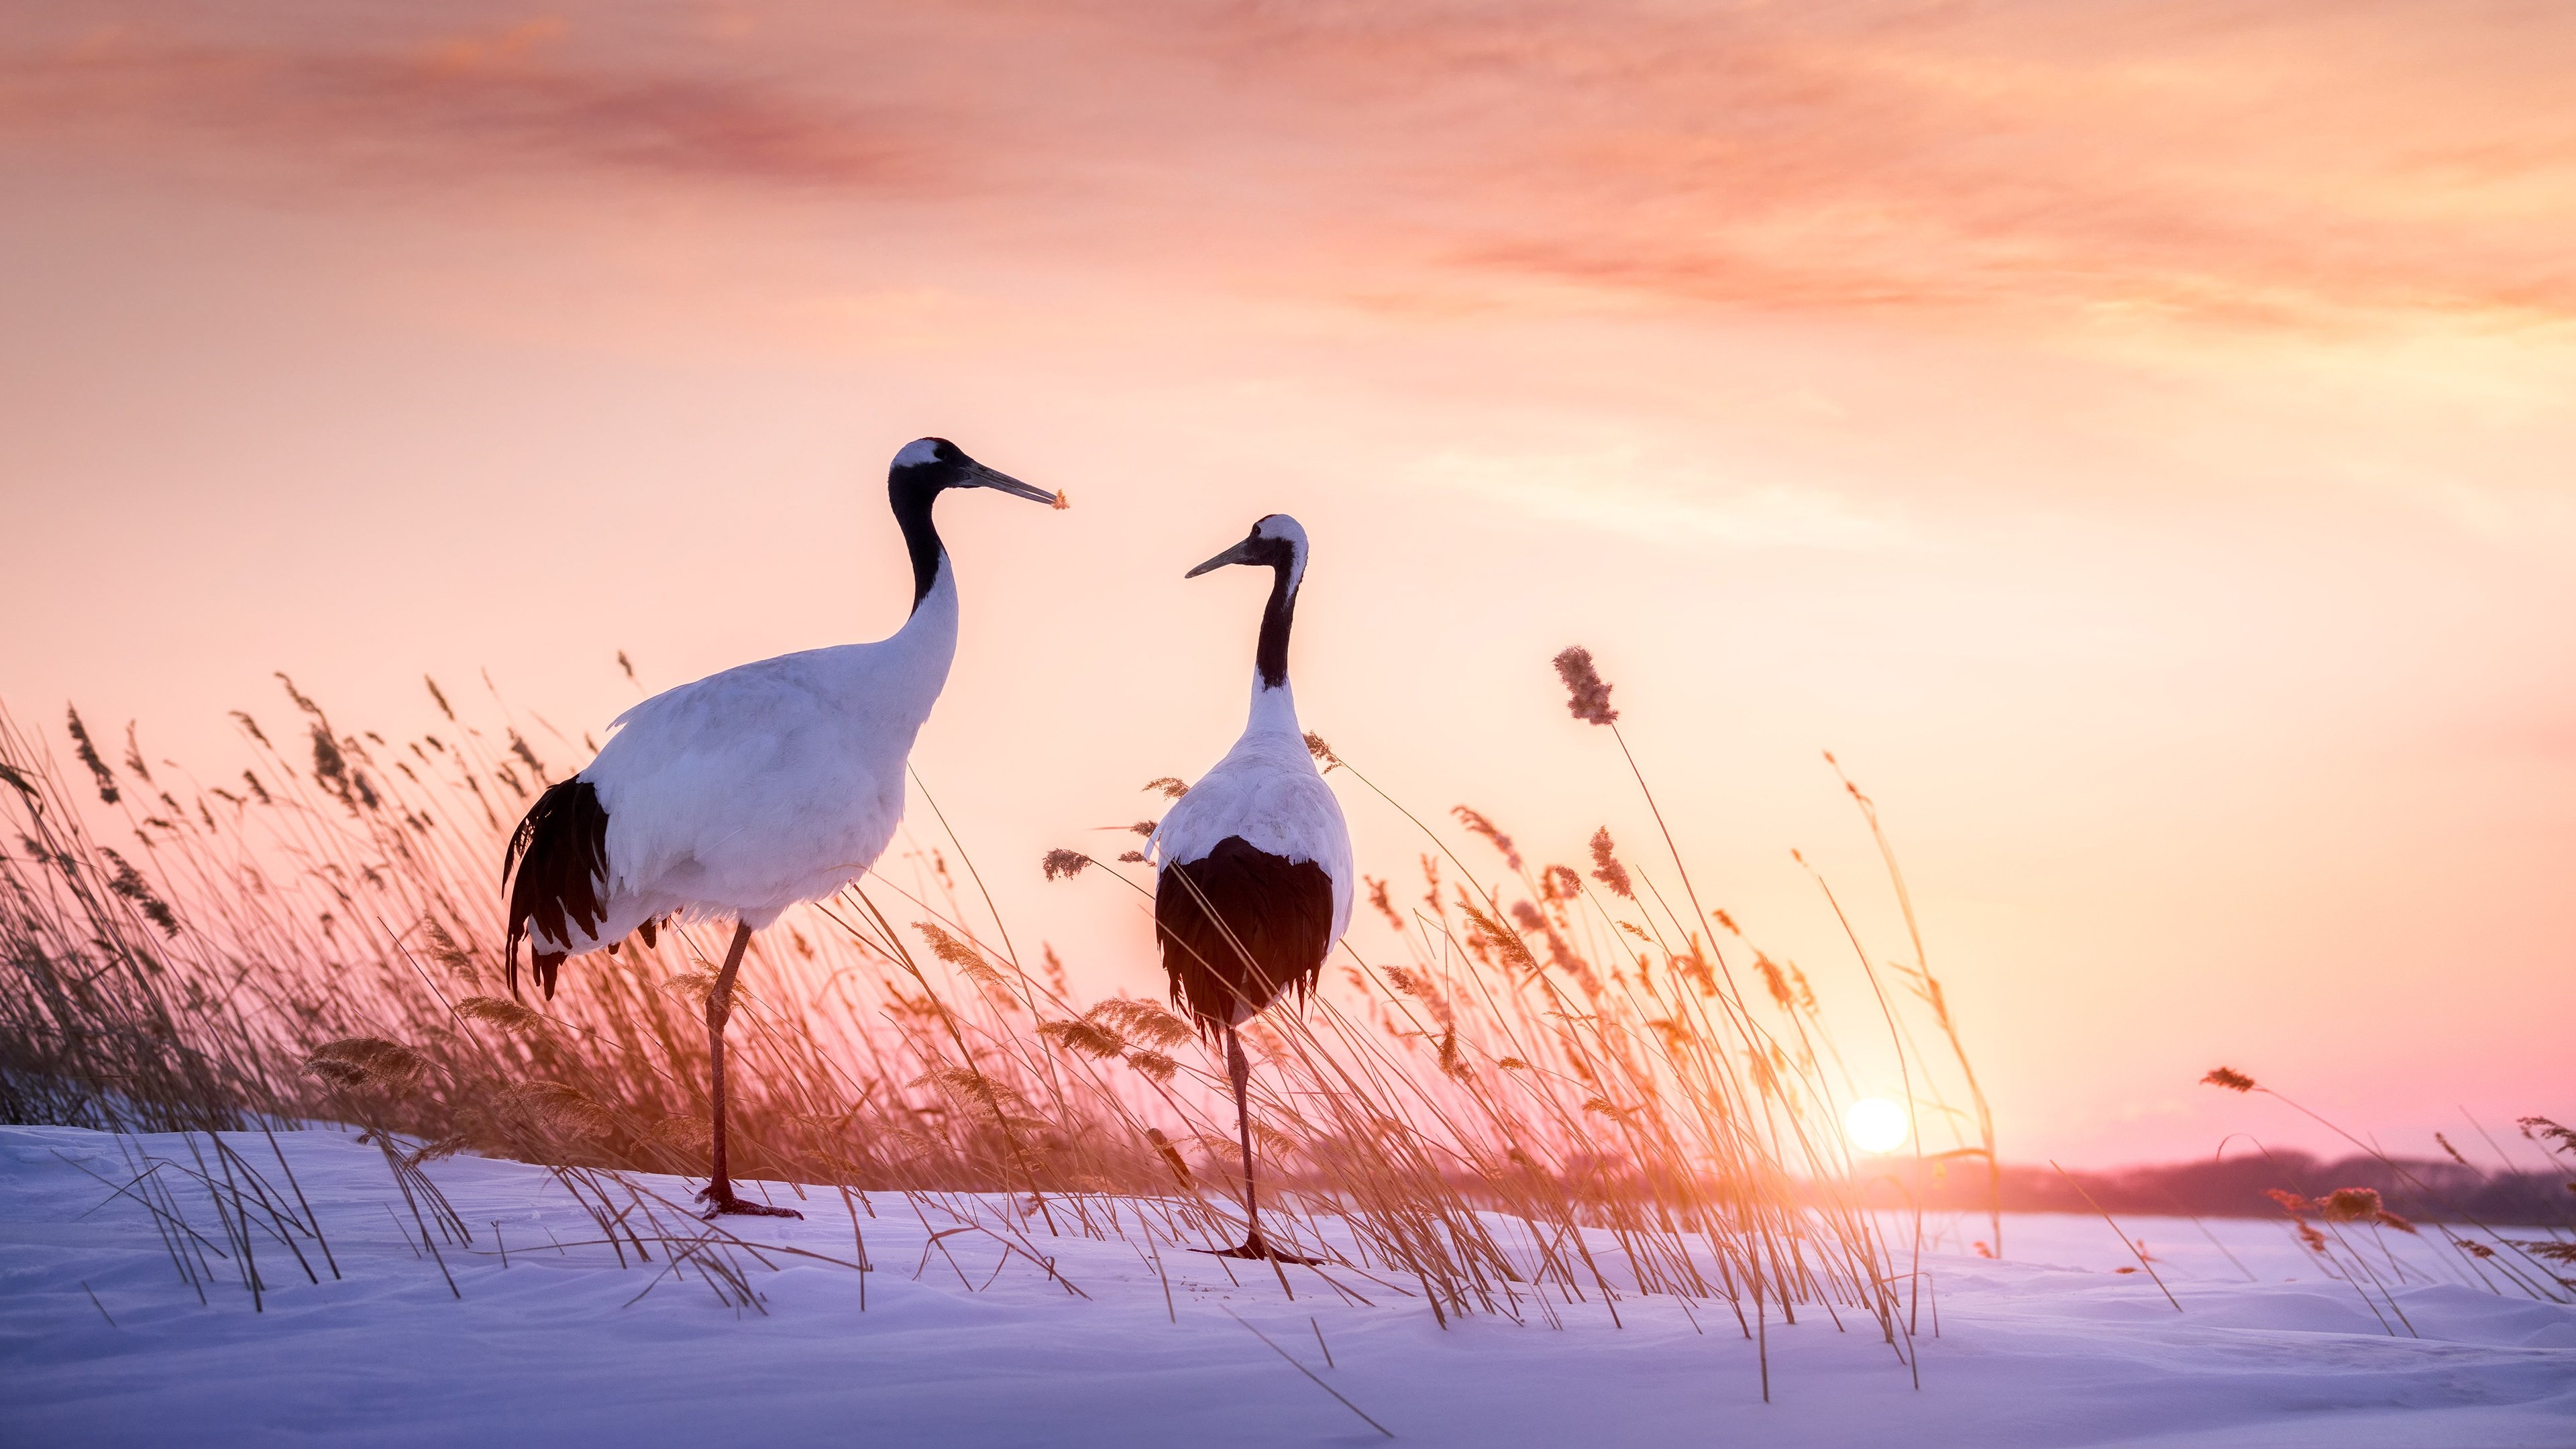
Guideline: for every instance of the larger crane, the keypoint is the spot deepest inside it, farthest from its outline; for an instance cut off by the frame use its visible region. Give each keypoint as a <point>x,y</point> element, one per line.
<point>748,791</point>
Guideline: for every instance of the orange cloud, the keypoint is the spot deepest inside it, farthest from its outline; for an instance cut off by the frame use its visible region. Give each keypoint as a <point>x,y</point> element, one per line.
<point>2305,166</point>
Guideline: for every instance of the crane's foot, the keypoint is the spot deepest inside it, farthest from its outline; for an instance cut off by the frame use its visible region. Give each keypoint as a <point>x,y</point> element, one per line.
<point>721,1203</point>
<point>1257,1246</point>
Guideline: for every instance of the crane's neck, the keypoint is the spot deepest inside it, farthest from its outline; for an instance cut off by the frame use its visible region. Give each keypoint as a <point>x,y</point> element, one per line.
<point>911,502</point>
<point>1274,705</point>
<point>929,636</point>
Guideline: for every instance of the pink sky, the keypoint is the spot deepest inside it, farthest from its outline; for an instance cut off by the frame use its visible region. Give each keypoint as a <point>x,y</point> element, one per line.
<point>2134,437</point>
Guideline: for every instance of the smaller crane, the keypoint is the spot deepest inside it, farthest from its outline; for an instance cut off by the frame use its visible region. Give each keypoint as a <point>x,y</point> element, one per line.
<point>1254,875</point>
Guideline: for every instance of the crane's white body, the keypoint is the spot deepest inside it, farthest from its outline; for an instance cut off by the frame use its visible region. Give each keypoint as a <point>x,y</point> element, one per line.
<point>779,781</point>
<point>1268,791</point>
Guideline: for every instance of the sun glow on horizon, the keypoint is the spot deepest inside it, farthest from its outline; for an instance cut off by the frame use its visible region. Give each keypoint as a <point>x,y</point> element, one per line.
<point>1875,1125</point>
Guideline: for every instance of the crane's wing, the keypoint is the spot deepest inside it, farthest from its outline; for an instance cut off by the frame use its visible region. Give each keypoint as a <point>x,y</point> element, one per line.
<point>743,787</point>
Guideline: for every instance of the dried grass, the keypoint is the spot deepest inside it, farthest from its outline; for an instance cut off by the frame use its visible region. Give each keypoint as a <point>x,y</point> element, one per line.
<point>1549,1068</point>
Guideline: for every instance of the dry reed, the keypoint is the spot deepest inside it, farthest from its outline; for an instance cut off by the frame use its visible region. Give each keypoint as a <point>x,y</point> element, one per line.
<point>1560,1095</point>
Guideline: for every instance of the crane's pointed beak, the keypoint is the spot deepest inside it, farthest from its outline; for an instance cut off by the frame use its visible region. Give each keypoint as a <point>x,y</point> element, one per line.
<point>990,478</point>
<point>1233,555</point>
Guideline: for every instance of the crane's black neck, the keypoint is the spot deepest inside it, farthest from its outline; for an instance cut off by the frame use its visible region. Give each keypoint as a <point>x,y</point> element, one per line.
<point>1271,657</point>
<point>911,498</point>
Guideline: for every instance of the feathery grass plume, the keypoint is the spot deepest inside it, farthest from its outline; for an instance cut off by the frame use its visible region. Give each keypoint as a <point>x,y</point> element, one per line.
<point>134,757</point>
<point>1140,1021</point>
<point>366,1061</point>
<point>1606,867</point>
<point>2546,1132</point>
<point>1774,980</point>
<point>1483,929</point>
<point>1476,822</point>
<point>330,766</point>
<point>1411,983</point>
<point>2546,1249</point>
<point>1559,883</point>
<point>88,753</point>
<point>528,757</point>
<point>1172,786</point>
<point>1377,898</point>
<point>1322,752</point>
<point>2230,1078</point>
<point>1587,694</point>
<point>688,1133</point>
<point>2351,1205</point>
<point>1082,1036</point>
<point>1143,827</point>
<point>968,961</point>
<point>558,1108</point>
<point>1063,864</point>
<point>1133,857</point>
<point>1452,1065</point>
<point>1694,968</point>
<point>303,701</point>
<point>502,1012</point>
<point>691,984</point>
<point>2290,1201</point>
<point>444,950</point>
<point>1153,1065</point>
<point>439,696</point>
<point>129,883</point>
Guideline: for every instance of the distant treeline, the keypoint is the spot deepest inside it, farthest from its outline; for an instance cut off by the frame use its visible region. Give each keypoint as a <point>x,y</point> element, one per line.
<point>2236,1187</point>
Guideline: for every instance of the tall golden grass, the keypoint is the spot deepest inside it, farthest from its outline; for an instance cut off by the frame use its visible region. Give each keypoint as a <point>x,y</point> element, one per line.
<point>1530,1052</point>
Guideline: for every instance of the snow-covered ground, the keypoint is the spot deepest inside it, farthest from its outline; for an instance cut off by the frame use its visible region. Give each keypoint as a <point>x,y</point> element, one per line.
<point>555,1347</point>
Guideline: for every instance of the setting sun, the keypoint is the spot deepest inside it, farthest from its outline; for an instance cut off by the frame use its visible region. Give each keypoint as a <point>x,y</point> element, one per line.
<point>1875,1124</point>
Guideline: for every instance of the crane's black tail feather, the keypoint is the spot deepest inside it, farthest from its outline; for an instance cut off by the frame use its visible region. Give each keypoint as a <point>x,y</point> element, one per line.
<point>1240,928</point>
<point>561,854</point>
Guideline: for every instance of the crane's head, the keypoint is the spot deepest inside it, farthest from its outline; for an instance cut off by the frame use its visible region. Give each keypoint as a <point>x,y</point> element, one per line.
<point>930,465</point>
<point>1276,542</point>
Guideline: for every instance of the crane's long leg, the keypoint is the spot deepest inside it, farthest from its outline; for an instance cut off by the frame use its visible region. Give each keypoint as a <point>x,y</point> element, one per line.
<point>1239,1069</point>
<point>719,1191</point>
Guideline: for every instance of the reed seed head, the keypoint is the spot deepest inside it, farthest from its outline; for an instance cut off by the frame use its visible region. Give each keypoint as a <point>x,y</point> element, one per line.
<point>1606,867</point>
<point>1475,821</point>
<point>1587,694</point>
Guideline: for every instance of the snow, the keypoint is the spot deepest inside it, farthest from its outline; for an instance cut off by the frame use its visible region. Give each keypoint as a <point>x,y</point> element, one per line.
<point>556,1346</point>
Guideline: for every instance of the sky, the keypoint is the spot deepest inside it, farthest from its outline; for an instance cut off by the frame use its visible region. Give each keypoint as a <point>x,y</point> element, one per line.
<point>2133,437</point>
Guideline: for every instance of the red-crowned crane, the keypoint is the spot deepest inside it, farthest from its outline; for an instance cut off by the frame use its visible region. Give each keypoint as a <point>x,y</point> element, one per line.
<point>748,791</point>
<point>1254,863</point>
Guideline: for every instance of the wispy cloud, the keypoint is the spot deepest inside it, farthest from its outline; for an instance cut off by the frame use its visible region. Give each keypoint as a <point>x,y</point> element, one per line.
<point>1618,491</point>
<point>447,108</point>
<point>2308,166</point>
